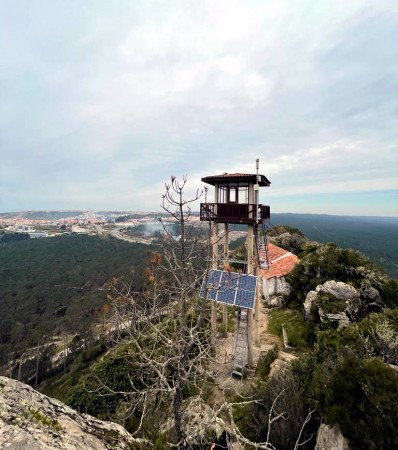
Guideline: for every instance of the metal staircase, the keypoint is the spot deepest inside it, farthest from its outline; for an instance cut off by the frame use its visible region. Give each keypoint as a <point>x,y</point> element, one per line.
<point>240,345</point>
<point>239,358</point>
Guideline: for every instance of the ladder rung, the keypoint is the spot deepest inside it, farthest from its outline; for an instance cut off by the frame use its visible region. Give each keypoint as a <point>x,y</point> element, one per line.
<point>239,374</point>
<point>236,261</point>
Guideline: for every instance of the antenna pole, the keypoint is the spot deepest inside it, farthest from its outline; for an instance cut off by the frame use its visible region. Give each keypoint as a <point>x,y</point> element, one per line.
<point>257,268</point>
<point>257,189</point>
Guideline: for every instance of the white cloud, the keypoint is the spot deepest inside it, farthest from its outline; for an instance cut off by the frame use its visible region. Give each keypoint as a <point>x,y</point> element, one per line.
<point>110,94</point>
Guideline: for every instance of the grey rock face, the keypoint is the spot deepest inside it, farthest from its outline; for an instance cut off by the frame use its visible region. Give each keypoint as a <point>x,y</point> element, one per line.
<point>31,420</point>
<point>341,318</point>
<point>330,438</point>
<point>276,300</point>
<point>338,289</point>
<point>309,302</point>
<point>342,292</point>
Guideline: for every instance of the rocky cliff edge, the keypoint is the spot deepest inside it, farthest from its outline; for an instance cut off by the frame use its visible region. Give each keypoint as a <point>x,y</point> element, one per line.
<point>31,420</point>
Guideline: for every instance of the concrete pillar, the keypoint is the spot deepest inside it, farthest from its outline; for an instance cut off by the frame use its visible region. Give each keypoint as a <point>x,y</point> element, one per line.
<point>250,271</point>
<point>226,241</point>
<point>214,240</point>
<point>250,268</point>
<point>226,247</point>
<point>257,309</point>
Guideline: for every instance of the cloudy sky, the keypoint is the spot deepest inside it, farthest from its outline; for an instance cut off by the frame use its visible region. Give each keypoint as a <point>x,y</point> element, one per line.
<point>101,101</point>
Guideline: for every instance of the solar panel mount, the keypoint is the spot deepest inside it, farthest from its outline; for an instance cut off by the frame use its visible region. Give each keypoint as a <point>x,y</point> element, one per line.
<point>230,288</point>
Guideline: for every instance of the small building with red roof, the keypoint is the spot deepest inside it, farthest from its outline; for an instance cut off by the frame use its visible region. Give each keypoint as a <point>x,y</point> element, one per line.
<point>281,263</point>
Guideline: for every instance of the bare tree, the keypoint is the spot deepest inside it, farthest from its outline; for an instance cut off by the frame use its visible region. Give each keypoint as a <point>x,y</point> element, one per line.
<point>166,327</point>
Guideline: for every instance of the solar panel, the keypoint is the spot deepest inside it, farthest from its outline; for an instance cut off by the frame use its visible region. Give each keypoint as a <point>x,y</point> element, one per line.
<point>226,296</point>
<point>245,299</point>
<point>213,282</point>
<point>247,283</point>
<point>230,288</point>
<point>229,280</point>
<point>214,277</point>
<point>227,288</point>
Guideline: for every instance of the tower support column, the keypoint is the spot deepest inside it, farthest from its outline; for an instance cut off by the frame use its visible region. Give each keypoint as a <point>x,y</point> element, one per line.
<point>257,308</point>
<point>226,255</point>
<point>214,241</point>
<point>250,269</point>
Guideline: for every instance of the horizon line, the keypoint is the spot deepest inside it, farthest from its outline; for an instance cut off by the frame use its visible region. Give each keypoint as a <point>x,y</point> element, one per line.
<point>160,212</point>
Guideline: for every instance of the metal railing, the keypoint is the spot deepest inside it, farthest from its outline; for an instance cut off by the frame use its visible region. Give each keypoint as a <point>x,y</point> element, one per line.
<point>234,212</point>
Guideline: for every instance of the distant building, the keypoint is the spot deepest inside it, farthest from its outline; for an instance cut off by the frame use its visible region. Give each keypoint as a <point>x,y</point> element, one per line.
<point>25,229</point>
<point>78,229</point>
<point>38,234</point>
<point>281,263</point>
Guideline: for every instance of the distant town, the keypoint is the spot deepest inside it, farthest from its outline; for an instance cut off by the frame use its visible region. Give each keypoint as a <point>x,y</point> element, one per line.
<point>130,226</point>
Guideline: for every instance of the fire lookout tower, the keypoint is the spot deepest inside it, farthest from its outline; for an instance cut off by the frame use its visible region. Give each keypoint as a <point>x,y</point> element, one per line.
<point>236,201</point>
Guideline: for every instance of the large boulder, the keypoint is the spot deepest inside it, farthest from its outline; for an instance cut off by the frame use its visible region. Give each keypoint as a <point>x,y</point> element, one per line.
<point>31,420</point>
<point>338,289</point>
<point>330,438</point>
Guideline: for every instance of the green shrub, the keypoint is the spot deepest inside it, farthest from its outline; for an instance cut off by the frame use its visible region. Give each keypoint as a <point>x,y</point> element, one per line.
<point>326,262</point>
<point>300,333</point>
<point>358,394</point>
<point>287,391</point>
<point>389,292</point>
<point>330,304</point>
<point>331,342</point>
<point>93,394</point>
<point>264,363</point>
<point>361,398</point>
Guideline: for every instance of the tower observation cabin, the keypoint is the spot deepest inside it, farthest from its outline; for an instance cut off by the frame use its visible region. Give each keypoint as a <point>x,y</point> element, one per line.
<point>236,201</point>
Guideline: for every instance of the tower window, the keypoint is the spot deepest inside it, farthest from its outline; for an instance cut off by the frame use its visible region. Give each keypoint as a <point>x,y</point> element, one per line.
<point>243,192</point>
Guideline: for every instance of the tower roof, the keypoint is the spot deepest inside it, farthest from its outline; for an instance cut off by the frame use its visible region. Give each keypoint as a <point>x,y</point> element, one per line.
<point>236,178</point>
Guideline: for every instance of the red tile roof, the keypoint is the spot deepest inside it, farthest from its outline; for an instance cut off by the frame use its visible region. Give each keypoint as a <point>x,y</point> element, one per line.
<point>275,252</point>
<point>281,262</point>
<point>232,175</point>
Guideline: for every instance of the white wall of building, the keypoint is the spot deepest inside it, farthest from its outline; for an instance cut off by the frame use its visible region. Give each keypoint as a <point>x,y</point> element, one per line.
<point>274,286</point>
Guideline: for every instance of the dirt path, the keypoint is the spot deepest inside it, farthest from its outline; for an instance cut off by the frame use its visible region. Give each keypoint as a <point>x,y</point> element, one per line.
<point>222,367</point>
<point>266,339</point>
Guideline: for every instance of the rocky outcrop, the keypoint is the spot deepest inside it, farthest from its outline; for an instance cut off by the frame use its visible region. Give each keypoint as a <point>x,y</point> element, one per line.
<point>310,304</point>
<point>333,301</point>
<point>31,420</point>
<point>338,289</point>
<point>330,438</point>
<point>340,302</point>
<point>275,301</point>
<point>340,318</point>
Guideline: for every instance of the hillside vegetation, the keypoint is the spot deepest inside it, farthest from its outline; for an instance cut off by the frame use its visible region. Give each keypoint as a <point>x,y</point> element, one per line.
<point>52,285</point>
<point>376,237</point>
<point>345,377</point>
<point>345,374</point>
